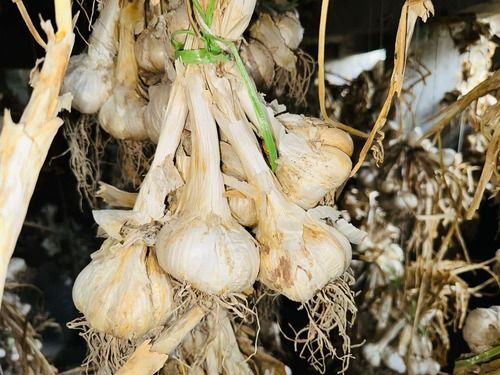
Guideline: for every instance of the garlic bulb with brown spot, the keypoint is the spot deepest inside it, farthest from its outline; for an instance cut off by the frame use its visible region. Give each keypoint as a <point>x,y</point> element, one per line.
<point>290,28</point>
<point>89,77</point>
<point>122,114</point>
<point>123,291</point>
<point>202,244</point>
<point>259,63</point>
<point>265,31</point>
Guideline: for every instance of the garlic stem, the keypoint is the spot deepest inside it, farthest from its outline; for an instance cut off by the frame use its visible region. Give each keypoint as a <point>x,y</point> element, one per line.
<point>126,64</point>
<point>102,43</point>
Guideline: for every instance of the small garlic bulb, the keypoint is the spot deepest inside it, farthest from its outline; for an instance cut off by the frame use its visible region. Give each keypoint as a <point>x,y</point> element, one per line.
<point>89,77</point>
<point>259,62</point>
<point>242,208</point>
<point>482,328</point>
<point>176,19</point>
<point>290,28</point>
<point>123,291</point>
<point>122,115</point>
<point>156,108</point>
<point>267,32</point>
<point>151,47</point>
<point>202,235</point>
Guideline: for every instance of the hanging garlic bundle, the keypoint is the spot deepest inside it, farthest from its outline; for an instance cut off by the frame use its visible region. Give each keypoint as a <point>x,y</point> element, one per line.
<point>123,292</point>
<point>300,254</point>
<point>89,77</point>
<point>314,159</point>
<point>203,244</point>
<point>122,114</point>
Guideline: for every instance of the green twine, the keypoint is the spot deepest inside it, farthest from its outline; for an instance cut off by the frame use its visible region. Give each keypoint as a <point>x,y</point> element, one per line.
<point>213,54</point>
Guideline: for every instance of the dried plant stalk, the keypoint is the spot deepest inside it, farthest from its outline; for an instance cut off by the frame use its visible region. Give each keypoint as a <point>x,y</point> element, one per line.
<point>411,12</point>
<point>24,146</point>
<point>150,358</point>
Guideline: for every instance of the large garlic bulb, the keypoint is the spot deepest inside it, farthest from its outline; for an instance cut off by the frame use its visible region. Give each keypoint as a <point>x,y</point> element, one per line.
<point>203,244</point>
<point>314,160</point>
<point>122,114</point>
<point>123,291</point>
<point>259,62</point>
<point>267,32</point>
<point>89,77</point>
<point>300,254</point>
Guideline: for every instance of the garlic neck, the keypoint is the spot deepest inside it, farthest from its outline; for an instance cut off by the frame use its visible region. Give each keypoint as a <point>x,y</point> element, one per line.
<point>126,65</point>
<point>204,190</point>
<point>102,44</point>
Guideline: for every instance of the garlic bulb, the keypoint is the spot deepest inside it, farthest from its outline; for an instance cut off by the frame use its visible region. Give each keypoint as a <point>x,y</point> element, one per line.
<point>151,47</point>
<point>123,291</point>
<point>314,160</point>
<point>482,328</point>
<point>231,164</point>
<point>122,114</point>
<point>290,28</point>
<point>176,19</point>
<point>267,32</point>
<point>153,114</point>
<point>259,63</point>
<point>300,254</point>
<point>202,235</point>
<point>89,77</point>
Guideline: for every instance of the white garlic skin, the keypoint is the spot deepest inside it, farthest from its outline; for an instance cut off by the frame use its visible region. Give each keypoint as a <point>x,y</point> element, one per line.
<point>123,291</point>
<point>156,108</point>
<point>212,256</point>
<point>90,85</point>
<point>122,115</point>
<point>151,47</point>
<point>306,176</point>
<point>242,208</point>
<point>482,328</point>
<point>89,77</point>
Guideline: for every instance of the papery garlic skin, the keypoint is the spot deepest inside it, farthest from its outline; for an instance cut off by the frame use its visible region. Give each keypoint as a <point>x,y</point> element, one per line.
<point>242,208</point>
<point>203,244</point>
<point>89,77</point>
<point>290,29</point>
<point>123,291</point>
<point>482,328</point>
<point>122,113</point>
<point>155,109</point>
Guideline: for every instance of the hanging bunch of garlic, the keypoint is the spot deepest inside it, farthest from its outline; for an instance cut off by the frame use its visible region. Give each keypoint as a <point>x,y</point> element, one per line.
<point>210,182</point>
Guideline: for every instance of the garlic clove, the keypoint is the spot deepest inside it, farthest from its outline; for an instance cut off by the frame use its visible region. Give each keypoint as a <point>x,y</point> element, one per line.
<point>123,291</point>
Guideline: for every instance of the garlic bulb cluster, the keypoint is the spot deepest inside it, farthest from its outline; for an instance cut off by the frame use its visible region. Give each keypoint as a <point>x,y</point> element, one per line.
<point>202,235</point>
<point>300,254</point>
<point>123,291</point>
<point>89,77</point>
